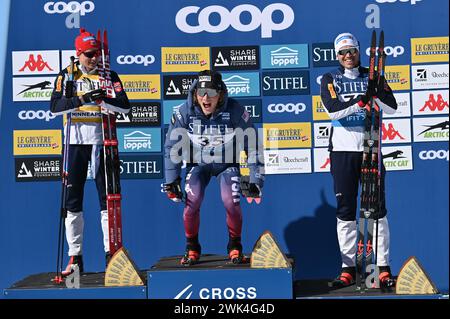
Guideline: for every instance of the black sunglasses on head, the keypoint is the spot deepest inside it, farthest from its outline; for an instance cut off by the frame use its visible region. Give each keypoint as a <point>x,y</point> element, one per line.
<point>90,55</point>
<point>210,92</point>
<point>352,51</point>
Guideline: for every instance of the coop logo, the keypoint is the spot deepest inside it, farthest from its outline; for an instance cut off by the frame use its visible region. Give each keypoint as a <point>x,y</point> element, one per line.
<point>286,83</point>
<point>431,129</point>
<point>141,166</point>
<point>242,84</point>
<point>433,155</point>
<point>390,51</point>
<point>36,115</point>
<point>323,54</point>
<point>35,62</point>
<point>71,7</point>
<point>413,2</point>
<point>136,59</point>
<point>433,49</point>
<point>288,107</point>
<point>397,158</point>
<point>259,18</point>
<point>218,293</point>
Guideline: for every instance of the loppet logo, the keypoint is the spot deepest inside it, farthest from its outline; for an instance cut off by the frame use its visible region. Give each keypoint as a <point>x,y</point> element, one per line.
<point>287,135</point>
<point>431,102</point>
<point>321,160</point>
<point>141,140</point>
<point>390,51</point>
<point>71,7</point>
<point>136,59</point>
<point>235,58</point>
<point>397,76</point>
<point>433,76</point>
<point>433,49</point>
<point>427,129</point>
<point>35,62</point>
<point>258,19</point>
<point>36,115</point>
<point>141,114</point>
<point>323,54</point>
<point>318,110</point>
<point>288,107</point>
<point>393,1</point>
<point>403,106</point>
<point>397,158</point>
<point>217,293</point>
<point>27,89</point>
<point>287,161</point>
<point>284,56</point>
<point>142,86</point>
<point>286,83</point>
<point>396,131</point>
<point>322,134</point>
<point>141,166</point>
<point>37,142</point>
<point>433,155</point>
<point>38,169</point>
<point>242,84</point>
<point>176,87</point>
<point>184,59</point>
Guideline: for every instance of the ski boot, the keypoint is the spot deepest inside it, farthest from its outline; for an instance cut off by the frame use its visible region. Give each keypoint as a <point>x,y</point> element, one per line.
<point>346,278</point>
<point>386,280</point>
<point>234,249</point>
<point>192,255</point>
<point>73,262</point>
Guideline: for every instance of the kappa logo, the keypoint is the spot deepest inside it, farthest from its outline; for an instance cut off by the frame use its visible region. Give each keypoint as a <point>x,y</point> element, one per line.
<point>173,89</point>
<point>390,133</point>
<point>284,56</point>
<point>33,64</point>
<point>72,7</point>
<point>237,84</point>
<point>326,164</point>
<point>221,61</point>
<point>434,104</point>
<point>231,18</point>
<point>24,171</point>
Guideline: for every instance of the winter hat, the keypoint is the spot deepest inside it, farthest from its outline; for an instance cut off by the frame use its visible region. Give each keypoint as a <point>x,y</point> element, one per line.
<point>345,39</point>
<point>85,41</point>
<point>210,79</point>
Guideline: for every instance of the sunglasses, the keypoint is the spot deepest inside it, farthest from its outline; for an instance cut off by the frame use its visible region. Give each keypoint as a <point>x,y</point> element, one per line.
<point>210,92</point>
<point>92,54</point>
<point>352,51</point>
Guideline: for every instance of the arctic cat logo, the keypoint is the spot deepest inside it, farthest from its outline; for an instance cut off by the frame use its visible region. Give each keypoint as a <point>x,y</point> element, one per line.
<point>395,155</point>
<point>443,126</point>
<point>41,85</point>
<point>434,104</point>
<point>35,65</point>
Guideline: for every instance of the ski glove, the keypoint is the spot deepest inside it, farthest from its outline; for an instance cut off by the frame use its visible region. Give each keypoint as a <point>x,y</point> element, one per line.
<point>173,190</point>
<point>250,189</point>
<point>93,96</point>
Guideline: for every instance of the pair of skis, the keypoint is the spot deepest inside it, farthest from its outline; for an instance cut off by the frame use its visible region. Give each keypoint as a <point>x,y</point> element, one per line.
<point>370,174</point>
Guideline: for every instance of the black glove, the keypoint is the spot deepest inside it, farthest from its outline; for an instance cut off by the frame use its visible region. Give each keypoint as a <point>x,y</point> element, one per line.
<point>250,189</point>
<point>173,190</point>
<point>93,96</point>
<point>382,88</point>
<point>370,92</point>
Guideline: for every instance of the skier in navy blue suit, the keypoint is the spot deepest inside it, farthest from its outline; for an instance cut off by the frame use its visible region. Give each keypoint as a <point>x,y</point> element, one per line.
<point>209,124</point>
<point>345,92</point>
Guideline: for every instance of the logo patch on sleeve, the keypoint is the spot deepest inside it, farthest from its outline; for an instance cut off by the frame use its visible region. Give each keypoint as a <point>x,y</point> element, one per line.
<point>117,87</point>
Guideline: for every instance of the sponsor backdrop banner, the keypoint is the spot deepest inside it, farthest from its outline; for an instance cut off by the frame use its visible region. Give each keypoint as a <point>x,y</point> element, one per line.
<point>272,55</point>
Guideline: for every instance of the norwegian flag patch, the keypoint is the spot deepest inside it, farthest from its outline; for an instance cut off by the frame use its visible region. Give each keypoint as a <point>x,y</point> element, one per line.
<point>245,116</point>
<point>117,87</point>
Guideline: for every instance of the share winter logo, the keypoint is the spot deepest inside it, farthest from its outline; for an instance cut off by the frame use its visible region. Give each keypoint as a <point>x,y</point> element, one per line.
<point>24,172</point>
